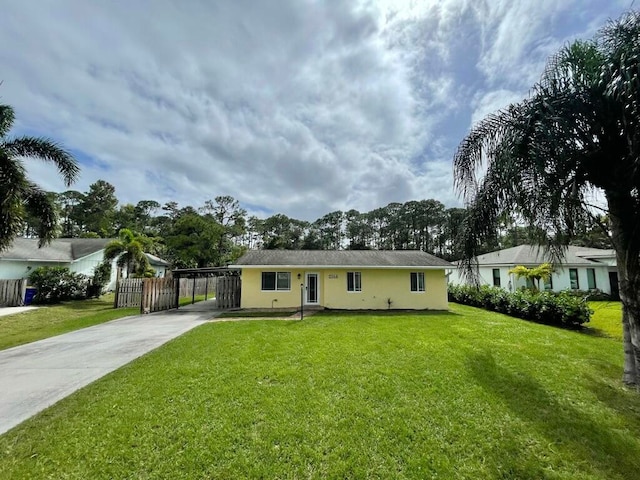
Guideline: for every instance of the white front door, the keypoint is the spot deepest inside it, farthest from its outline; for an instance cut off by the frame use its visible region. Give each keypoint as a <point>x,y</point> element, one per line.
<point>312,289</point>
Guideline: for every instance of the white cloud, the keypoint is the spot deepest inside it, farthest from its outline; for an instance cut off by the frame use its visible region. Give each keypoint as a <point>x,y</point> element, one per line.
<point>301,109</point>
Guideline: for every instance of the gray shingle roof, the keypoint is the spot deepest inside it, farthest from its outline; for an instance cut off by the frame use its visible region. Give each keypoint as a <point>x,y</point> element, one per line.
<point>534,255</point>
<point>343,258</point>
<point>153,260</point>
<point>63,250</point>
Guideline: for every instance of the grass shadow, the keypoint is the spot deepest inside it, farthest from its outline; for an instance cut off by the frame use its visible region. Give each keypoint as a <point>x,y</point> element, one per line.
<point>579,435</point>
<point>594,332</point>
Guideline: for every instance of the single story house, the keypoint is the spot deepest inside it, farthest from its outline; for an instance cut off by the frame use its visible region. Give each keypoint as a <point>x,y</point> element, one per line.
<point>80,255</point>
<point>345,279</point>
<point>581,269</point>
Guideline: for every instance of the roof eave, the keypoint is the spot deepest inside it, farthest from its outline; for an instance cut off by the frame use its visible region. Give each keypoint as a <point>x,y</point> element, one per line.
<point>363,267</point>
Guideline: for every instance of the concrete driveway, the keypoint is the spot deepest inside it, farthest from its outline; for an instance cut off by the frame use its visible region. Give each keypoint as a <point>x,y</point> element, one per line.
<point>36,375</point>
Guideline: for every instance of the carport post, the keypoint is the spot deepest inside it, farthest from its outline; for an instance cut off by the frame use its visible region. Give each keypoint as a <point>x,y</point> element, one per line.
<point>177,286</point>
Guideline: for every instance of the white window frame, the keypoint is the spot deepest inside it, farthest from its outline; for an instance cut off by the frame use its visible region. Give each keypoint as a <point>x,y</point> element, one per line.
<point>357,282</point>
<point>419,275</point>
<point>276,280</point>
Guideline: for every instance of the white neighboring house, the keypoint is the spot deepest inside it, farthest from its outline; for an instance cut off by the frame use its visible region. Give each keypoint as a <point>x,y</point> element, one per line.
<point>581,269</point>
<point>80,255</point>
<point>162,267</point>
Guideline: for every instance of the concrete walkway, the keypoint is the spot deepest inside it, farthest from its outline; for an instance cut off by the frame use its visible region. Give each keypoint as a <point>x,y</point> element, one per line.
<point>36,375</point>
<point>13,310</point>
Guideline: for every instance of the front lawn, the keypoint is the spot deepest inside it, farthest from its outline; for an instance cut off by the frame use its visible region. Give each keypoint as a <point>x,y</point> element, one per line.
<point>606,319</point>
<point>51,320</point>
<point>467,394</point>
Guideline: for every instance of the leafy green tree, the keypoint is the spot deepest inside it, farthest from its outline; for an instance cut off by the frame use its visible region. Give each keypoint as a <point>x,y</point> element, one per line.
<point>129,250</point>
<point>70,206</point>
<point>578,130</point>
<point>99,207</point>
<point>594,234</point>
<point>232,218</point>
<point>19,196</point>
<point>329,228</point>
<point>192,241</point>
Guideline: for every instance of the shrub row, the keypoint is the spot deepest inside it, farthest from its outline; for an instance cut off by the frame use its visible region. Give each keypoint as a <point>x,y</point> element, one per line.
<point>559,309</point>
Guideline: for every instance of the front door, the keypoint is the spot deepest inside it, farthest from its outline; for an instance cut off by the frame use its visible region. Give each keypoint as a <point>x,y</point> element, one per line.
<point>615,289</point>
<point>312,289</point>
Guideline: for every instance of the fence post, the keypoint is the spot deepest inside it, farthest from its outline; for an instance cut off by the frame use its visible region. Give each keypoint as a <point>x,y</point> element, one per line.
<point>115,299</point>
<point>143,295</point>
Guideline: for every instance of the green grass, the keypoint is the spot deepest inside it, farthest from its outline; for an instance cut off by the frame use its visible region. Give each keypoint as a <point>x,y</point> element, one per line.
<point>187,300</point>
<point>463,395</point>
<point>48,321</point>
<point>606,319</point>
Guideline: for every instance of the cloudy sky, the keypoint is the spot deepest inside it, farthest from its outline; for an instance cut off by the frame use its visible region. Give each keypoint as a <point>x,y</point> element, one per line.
<point>291,106</point>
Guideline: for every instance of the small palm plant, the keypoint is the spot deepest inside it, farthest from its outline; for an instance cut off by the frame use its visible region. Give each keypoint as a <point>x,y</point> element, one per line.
<point>534,274</point>
<point>129,249</point>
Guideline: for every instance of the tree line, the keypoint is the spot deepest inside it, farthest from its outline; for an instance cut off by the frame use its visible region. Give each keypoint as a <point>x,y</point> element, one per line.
<point>220,230</point>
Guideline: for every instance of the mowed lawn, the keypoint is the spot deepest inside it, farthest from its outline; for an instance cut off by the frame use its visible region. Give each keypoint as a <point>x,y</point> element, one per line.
<point>467,394</point>
<point>50,320</point>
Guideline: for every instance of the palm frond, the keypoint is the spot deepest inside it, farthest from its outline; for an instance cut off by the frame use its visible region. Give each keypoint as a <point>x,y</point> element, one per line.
<point>7,117</point>
<point>13,186</point>
<point>114,249</point>
<point>41,206</point>
<point>47,150</point>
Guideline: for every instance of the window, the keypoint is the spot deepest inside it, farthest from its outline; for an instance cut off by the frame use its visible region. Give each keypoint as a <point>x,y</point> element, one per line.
<point>276,280</point>
<point>591,278</point>
<point>417,281</point>
<point>548,283</point>
<point>496,277</point>
<point>573,278</point>
<point>354,281</point>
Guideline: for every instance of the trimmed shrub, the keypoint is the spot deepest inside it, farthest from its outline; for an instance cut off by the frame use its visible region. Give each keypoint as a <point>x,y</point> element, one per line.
<point>55,284</point>
<point>559,309</point>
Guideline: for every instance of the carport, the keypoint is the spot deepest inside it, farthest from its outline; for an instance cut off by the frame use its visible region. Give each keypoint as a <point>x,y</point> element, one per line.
<point>227,286</point>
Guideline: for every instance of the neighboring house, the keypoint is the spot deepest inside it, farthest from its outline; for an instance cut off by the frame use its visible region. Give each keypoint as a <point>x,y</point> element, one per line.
<point>581,269</point>
<point>159,265</point>
<point>80,255</point>
<point>345,279</point>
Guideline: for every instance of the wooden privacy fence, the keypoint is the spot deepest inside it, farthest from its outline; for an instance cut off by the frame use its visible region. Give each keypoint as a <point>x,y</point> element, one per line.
<point>228,292</point>
<point>159,294</point>
<point>198,286</point>
<point>128,293</point>
<point>12,292</point>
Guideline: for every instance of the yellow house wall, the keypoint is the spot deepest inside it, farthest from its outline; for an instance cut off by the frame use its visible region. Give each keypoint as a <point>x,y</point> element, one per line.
<point>252,295</point>
<point>378,285</point>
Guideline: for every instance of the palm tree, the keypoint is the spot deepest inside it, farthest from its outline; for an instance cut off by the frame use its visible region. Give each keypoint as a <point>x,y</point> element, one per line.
<point>129,249</point>
<point>19,196</point>
<point>578,133</point>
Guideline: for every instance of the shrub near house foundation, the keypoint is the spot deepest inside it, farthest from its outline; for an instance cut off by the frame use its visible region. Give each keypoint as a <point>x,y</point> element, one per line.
<point>559,309</point>
<point>55,284</point>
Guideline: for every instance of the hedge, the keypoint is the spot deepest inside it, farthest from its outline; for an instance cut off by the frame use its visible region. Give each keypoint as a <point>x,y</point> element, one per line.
<point>550,308</point>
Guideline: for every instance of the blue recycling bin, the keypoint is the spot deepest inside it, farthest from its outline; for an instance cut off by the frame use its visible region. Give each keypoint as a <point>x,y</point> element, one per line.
<point>29,293</point>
